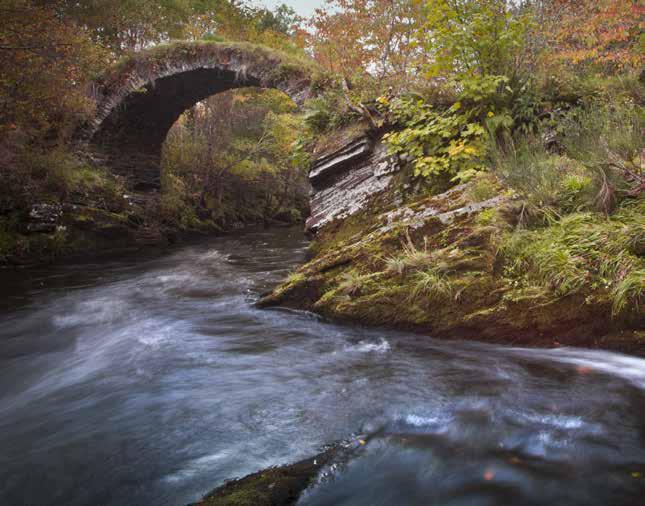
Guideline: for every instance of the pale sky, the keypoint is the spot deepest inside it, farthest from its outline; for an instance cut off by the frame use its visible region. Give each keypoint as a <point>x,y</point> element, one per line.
<point>303,7</point>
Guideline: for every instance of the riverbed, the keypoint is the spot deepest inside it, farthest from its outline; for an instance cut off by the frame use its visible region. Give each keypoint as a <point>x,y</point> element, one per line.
<point>151,379</point>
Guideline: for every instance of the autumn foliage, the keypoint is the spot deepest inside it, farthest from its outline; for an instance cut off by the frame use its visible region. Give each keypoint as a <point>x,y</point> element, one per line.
<point>374,36</point>
<point>602,33</point>
<point>46,64</point>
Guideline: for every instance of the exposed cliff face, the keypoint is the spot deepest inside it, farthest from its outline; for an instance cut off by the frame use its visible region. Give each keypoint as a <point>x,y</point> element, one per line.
<point>384,255</point>
<point>344,181</point>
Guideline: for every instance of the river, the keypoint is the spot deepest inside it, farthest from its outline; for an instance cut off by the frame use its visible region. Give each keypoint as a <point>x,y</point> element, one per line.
<point>152,379</point>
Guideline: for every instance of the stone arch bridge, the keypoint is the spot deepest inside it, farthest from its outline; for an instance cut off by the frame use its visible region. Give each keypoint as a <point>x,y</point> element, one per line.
<point>139,99</point>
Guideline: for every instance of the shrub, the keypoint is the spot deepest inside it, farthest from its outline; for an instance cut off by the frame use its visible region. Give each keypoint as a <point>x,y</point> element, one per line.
<point>437,142</point>
<point>175,206</point>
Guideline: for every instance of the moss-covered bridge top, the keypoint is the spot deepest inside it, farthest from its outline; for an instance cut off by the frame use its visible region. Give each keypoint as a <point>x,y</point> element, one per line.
<point>140,97</point>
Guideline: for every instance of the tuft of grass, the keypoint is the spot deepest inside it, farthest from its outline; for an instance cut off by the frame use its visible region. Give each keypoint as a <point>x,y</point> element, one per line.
<point>411,258</point>
<point>629,293</point>
<point>576,191</point>
<point>396,265</point>
<point>351,283</point>
<point>294,278</point>
<point>547,263</point>
<point>431,284</point>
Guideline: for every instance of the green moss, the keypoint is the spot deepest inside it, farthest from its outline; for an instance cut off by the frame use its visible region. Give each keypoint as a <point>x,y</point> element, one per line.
<point>290,64</point>
<point>487,217</point>
<point>478,274</point>
<point>247,493</point>
<point>483,187</point>
<point>274,486</point>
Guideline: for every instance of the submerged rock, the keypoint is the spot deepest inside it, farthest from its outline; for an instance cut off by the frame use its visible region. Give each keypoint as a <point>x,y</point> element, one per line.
<point>276,486</point>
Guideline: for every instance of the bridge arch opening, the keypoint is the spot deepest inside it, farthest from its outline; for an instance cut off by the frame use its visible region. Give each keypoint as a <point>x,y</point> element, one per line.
<point>229,160</point>
<point>140,100</point>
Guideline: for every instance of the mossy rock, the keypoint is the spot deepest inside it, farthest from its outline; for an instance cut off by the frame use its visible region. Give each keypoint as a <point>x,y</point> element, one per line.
<point>484,290</point>
<point>277,486</point>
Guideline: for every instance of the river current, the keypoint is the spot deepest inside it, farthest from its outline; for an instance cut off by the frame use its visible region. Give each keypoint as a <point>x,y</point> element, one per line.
<point>152,379</point>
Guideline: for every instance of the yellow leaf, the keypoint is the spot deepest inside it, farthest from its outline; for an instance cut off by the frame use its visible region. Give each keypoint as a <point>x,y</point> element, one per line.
<point>455,149</point>
<point>490,114</point>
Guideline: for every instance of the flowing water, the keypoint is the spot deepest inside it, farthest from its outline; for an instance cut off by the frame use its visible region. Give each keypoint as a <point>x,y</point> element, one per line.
<point>152,380</point>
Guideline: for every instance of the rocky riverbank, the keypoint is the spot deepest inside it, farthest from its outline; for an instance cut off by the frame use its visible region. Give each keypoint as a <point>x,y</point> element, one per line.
<point>461,264</point>
<point>51,230</point>
<point>87,209</point>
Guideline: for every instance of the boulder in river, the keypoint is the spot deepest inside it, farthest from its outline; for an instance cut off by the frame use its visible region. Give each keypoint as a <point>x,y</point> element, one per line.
<point>275,486</point>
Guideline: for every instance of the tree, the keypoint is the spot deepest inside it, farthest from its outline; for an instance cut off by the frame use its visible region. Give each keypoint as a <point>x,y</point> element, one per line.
<point>46,63</point>
<point>467,38</point>
<point>378,37</point>
<point>230,20</point>
<point>123,25</point>
<point>282,20</point>
<point>606,34</point>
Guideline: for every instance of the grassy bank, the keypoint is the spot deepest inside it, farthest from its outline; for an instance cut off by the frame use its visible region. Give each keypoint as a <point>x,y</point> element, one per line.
<point>542,242</point>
